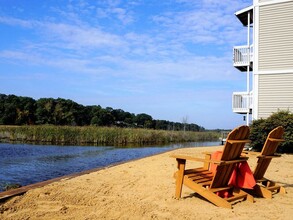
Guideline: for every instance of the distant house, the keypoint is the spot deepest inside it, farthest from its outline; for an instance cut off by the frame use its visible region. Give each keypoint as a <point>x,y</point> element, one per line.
<point>267,59</point>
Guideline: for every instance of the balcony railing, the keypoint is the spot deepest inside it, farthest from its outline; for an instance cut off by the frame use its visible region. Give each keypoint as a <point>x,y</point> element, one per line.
<point>241,57</point>
<point>242,102</point>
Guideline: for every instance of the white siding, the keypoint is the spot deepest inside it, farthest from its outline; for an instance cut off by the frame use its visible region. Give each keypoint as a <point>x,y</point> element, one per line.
<point>272,1</point>
<point>262,1</point>
<point>275,92</point>
<point>276,36</point>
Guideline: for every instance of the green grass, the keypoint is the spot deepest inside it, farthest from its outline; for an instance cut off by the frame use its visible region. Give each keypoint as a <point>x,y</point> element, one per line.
<point>76,135</point>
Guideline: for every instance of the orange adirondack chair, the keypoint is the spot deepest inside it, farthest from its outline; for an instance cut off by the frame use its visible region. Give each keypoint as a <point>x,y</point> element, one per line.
<point>209,184</point>
<point>265,187</point>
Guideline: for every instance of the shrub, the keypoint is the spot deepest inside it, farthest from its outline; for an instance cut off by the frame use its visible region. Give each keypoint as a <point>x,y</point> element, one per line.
<point>259,129</point>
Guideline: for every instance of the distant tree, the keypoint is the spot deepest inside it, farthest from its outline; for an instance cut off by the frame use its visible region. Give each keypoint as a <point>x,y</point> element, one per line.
<point>2,108</point>
<point>161,125</point>
<point>45,111</point>
<point>17,110</point>
<point>129,119</point>
<point>8,106</point>
<point>193,127</point>
<point>65,112</point>
<point>184,122</point>
<point>122,118</point>
<point>106,117</point>
<point>143,120</point>
<point>95,114</point>
<point>81,114</point>
<point>25,111</point>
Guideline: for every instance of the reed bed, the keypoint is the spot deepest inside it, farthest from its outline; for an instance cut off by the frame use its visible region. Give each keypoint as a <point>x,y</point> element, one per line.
<point>75,135</point>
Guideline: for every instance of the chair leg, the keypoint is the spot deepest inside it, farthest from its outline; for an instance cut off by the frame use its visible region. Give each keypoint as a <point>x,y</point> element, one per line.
<point>282,190</point>
<point>179,179</point>
<point>262,192</point>
<point>206,165</point>
<point>249,197</point>
<point>207,194</point>
<point>274,186</point>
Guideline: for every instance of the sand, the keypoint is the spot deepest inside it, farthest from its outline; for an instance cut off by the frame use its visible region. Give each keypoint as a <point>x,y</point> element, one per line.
<point>144,189</point>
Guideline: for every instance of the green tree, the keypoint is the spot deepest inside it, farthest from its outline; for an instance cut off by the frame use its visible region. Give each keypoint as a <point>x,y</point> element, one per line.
<point>25,111</point>
<point>95,115</point>
<point>16,110</point>
<point>143,120</point>
<point>45,111</point>
<point>65,112</point>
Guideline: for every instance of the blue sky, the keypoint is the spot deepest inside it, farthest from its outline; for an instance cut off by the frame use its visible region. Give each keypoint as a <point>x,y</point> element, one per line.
<point>171,59</point>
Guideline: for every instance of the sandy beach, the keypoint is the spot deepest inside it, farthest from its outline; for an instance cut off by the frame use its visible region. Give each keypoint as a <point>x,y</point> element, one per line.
<point>144,189</point>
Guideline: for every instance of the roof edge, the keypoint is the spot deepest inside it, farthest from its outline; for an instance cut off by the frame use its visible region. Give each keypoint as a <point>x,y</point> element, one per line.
<point>242,15</point>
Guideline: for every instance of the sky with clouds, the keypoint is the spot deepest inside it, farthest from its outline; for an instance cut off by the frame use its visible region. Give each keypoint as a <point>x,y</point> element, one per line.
<point>171,59</point>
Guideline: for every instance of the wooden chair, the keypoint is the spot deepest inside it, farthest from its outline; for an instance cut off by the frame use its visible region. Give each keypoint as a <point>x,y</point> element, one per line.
<point>265,187</point>
<point>208,184</point>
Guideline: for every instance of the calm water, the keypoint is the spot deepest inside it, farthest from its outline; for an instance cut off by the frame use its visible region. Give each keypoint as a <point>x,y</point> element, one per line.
<point>26,164</point>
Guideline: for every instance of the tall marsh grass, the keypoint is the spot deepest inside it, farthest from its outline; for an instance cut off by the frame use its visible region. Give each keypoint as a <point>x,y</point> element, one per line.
<point>99,135</point>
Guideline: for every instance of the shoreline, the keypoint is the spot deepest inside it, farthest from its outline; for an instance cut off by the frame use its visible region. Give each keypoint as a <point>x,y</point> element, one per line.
<point>90,161</point>
<point>4,195</point>
<point>144,189</point>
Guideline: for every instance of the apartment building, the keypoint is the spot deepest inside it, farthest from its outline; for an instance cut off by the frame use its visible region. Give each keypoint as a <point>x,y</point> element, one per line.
<point>266,59</point>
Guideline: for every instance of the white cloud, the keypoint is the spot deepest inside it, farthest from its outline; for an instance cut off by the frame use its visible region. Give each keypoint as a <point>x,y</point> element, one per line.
<point>168,38</point>
<point>122,15</point>
<point>203,22</point>
<point>67,35</point>
<point>116,11</point>
<point>79,37</point>
<point>175,57</point>
<point>16,22</point>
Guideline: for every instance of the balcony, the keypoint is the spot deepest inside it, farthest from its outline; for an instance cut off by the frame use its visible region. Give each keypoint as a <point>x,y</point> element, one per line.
<point>243,57</point>
<point>242,102</point>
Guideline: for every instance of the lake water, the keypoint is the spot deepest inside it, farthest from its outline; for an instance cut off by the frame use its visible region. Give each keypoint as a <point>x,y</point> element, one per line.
<point>27,164</point>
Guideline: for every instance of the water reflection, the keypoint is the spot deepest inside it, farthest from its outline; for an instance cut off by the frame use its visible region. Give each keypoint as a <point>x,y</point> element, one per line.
<point>26,164</point>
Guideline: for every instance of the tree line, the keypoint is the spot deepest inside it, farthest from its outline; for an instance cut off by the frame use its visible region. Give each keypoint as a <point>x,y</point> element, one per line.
<point>19,110</point>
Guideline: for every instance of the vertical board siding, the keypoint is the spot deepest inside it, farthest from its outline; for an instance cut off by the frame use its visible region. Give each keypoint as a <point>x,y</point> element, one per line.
<point>275,92</point>
<point>276,37</point>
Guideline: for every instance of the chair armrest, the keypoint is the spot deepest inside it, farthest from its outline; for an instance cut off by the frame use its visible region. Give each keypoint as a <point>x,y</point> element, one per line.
<point>238,141</point>
<point>185,157</point>
<point>208,153</point>
<point>218,162</point>
<point>241,159</point>
<point>250,152</point>
<point>269,156</point>
<point>276,140</point>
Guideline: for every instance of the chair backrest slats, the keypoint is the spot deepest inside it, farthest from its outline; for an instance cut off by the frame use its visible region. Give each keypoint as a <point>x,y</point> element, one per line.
<point>273,140</point>
<point>232,151</point>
